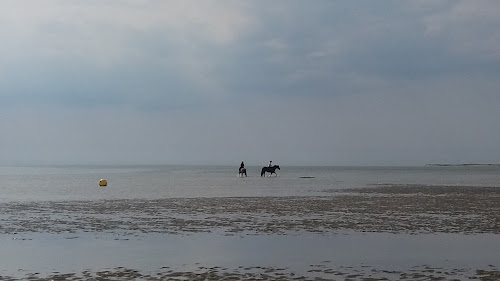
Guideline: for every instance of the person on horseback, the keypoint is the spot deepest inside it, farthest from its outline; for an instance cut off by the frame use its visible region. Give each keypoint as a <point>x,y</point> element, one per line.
<point>269,169</point>
<point>242,171</point>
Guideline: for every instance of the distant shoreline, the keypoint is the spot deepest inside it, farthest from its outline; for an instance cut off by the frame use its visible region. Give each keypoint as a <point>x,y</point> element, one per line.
<point>457,165</point>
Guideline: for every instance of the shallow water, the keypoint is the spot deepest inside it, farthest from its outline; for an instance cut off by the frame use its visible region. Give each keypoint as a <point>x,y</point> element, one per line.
<point>42,183</point>
<point>65,253</point>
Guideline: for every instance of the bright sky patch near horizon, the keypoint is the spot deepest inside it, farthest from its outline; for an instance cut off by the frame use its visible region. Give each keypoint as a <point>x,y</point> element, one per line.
<point>217,82</point>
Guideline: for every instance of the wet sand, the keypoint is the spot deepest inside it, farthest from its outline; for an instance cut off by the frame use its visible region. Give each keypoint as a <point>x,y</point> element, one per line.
<point>270,273</point>
<point>388,208</point>
<point>394,209</point>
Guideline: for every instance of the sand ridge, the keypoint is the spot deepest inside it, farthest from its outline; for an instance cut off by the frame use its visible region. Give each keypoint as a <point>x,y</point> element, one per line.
<point>388,208</point>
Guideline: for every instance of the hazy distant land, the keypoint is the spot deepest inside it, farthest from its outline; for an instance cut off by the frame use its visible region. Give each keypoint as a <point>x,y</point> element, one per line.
<point>465,164</point>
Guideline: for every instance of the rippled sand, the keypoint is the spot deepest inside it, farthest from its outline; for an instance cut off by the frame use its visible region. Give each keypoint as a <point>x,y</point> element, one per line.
<point>408,209</point>
<point>269,273</point>
<point>394,209</point>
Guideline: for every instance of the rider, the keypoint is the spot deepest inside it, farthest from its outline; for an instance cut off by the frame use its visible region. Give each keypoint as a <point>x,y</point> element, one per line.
<point>242,165</point>
<point>270,164</point>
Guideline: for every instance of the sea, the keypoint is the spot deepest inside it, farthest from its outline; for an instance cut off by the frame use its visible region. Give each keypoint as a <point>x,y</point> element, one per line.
<point>38,253</point>
<point>54,183</point>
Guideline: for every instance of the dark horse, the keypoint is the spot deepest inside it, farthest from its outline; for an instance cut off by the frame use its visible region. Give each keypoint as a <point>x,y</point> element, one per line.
<point>271,170</point>
<point>242,172</point>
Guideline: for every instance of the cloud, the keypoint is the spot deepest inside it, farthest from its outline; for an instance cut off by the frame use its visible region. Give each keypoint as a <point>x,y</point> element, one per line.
<point>102,39</point>
<point>329,82</point>
<point>442,122</point>
<point>467,26</point>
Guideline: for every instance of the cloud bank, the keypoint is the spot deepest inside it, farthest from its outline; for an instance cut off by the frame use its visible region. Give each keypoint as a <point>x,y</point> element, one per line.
<point>217,82</point>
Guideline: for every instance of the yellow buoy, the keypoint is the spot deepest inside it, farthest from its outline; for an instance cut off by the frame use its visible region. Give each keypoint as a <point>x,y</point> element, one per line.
<point>103,182</point>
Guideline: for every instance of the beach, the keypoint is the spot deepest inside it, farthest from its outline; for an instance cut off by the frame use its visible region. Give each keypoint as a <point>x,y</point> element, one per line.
<point>388,209</point>
<point>375,232</point>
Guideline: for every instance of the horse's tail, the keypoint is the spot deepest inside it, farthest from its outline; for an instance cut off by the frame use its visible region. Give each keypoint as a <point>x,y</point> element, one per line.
<point>263,171</point>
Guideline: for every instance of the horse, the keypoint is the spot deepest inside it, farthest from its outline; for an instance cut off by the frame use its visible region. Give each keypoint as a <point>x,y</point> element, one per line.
<point>242,171</point>
<point>271,170</point>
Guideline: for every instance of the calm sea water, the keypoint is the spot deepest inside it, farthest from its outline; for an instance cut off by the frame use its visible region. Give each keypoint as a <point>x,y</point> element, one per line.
<point>39,183</point>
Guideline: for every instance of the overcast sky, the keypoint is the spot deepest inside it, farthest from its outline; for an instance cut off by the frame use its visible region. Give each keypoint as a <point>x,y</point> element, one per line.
<point>218,82</point>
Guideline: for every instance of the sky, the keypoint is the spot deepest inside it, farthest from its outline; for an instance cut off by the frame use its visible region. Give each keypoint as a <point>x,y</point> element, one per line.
<point>219,82</point>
